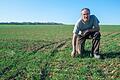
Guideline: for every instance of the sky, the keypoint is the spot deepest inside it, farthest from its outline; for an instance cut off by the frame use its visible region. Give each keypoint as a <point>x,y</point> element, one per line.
<point>60,11</point>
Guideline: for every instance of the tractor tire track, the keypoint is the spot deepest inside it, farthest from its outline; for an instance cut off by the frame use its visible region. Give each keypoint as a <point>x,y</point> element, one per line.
<point>43,46</point>
<point>44,71</point>
<point>55,49</point>
<point>59,44</point>
<point>112,34</point>
<point>5,70</point>
<point>19,72</point>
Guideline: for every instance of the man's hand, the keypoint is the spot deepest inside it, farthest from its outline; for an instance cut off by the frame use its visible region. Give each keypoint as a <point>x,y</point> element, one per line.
<point>73,53</point>
<point>74,45</point>
<point>85,33</point>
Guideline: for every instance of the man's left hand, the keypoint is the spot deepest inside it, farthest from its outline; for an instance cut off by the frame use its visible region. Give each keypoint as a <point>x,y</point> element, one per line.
<point>86,32</point>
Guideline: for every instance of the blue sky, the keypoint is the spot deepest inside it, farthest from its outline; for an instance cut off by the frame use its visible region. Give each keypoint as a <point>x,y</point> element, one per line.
<point>62,11</point>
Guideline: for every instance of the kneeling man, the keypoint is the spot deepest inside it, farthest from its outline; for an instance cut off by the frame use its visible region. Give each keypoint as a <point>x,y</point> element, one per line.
<point>86,27</point>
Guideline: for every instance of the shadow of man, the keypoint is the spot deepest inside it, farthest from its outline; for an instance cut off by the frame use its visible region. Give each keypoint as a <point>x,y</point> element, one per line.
<point>103,56</point>
<point>111,55</point>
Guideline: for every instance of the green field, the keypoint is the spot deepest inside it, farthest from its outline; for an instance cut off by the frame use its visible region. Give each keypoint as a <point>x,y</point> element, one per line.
<point>42,52</point>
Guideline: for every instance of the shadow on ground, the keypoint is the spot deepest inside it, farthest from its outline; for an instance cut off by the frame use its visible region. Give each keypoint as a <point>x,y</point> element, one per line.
<point>104,55</point>
<point>111,55</point>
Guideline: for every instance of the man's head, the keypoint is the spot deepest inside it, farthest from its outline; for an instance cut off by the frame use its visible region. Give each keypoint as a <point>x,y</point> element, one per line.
<point>85,12</point>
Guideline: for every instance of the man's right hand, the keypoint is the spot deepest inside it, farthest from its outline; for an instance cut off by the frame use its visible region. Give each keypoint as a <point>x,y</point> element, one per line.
<point>85,33</point>
<point>73,53</point>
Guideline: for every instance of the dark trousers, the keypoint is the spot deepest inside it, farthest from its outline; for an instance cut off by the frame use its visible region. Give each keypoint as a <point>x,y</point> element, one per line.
<point>95,36</point>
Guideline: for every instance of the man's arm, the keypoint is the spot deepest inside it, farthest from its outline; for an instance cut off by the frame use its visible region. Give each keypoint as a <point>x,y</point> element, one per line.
<point>91,30</point>
<point>95,24</point>
<point>94,29</point>
<point>74,39</point>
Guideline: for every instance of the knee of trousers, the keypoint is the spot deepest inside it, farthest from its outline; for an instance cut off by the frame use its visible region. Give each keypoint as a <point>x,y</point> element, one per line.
<point>97,36</point>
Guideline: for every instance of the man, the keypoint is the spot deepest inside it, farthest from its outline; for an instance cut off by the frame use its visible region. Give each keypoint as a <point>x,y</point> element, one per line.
<point>86,27</point>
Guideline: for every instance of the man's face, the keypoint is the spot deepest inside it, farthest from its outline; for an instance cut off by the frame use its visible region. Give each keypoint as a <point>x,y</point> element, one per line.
<point>85,15</point>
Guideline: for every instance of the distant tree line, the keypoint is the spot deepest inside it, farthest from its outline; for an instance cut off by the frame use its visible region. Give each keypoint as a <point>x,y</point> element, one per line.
<point>30,23</point>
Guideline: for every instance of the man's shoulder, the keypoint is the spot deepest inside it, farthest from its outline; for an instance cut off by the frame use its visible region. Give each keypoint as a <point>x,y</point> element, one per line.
<point>79,21</point>
<point>92,16</point>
